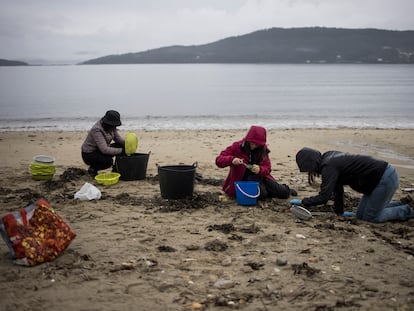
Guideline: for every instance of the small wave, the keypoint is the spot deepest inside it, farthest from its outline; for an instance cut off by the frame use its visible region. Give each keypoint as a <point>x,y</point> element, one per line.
<point>207,122</point>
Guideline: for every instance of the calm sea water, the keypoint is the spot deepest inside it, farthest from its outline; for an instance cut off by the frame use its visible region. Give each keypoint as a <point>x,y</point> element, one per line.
<point>216,96</point>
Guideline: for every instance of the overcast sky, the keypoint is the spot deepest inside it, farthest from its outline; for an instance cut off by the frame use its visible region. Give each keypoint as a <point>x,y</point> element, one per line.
<point>70,31</point>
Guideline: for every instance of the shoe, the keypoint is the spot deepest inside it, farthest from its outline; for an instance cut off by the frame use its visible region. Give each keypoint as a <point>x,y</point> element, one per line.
<point>293,192</point>
<point>92,172</point>
<point>407,200</point>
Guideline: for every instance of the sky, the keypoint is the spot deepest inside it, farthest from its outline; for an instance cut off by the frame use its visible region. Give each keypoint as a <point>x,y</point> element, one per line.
<point>71,31</point>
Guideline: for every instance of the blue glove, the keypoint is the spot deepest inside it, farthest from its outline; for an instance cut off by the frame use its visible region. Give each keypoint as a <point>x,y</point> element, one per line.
<point>296,201</point>
<point>348,214</point>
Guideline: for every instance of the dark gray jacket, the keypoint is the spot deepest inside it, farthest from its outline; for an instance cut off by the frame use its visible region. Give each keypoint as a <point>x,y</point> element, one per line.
<point>362,173</point>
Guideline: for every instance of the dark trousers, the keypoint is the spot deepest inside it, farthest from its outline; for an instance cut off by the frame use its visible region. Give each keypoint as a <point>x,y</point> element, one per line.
<point>99,161</point>
<point>271,188</point>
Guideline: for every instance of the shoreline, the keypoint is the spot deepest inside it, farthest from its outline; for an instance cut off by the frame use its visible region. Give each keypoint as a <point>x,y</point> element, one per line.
<point>17,148</point>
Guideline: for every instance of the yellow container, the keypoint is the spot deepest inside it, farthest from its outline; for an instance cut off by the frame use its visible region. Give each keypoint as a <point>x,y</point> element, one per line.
<point>107,179</point>
<point>42,171</point>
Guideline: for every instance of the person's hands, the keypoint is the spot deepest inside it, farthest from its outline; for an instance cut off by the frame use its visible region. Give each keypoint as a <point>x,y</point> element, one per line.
<point>255,169</point>
<point>295,201</point>
<point>237,161</point>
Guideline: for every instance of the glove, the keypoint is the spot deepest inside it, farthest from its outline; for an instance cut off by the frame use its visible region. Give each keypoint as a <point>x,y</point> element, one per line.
<point>295,201</point>
<point>348,214</point>
<point>255,169</point>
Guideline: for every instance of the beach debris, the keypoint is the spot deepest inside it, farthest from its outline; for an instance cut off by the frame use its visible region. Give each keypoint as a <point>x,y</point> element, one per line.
<point>236,237</point>
<point>253,228</point>
<point>124,266</point>
<point>88,192</point>
<point>196,306</point>
<point>233,299</point>
<point>73,173</point>
<point>211,181</point>
<point>223,198</point>
<point>276,270</point>
<point>141,262</point>
<point>197,201</point>
<point>226,261</point>
<point>166,249</point>
<point>254,265</point>
<point>304,268</point>
<point>192,247</point>
<point>134,264</point>
<point>125,198</point>
<point>300,236</point>
<point>225,228</point>
<point>281,262</point>
<point>216,246</point>
<point>224,283</point>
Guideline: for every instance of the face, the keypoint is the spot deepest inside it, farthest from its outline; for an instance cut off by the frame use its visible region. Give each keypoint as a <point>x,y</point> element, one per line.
<point>253,146</point>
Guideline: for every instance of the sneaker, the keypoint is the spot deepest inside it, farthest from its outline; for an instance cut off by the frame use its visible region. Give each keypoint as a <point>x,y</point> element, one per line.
<point>407,200</point>
<point>92,172</point>
<point>293,192</point>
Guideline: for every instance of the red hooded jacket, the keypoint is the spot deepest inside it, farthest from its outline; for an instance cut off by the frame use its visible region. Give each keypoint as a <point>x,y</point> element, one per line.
<point>257,135</point>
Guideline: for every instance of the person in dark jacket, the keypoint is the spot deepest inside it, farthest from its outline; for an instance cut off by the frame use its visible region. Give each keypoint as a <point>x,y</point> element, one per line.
<point>102,143</point>
<point>377,180</point>
<point>248,160</point>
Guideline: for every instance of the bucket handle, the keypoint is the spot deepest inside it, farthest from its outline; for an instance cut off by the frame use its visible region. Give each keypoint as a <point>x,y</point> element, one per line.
<point>193,165</point>
<point>249,195</point>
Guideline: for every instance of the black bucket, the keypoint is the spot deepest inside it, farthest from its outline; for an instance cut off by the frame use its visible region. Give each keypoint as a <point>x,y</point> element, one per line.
<point>176,181</point>
<point>132,167</point>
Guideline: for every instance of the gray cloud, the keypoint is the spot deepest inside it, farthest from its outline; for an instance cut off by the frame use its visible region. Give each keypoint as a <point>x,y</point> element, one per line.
<point>76,30</point>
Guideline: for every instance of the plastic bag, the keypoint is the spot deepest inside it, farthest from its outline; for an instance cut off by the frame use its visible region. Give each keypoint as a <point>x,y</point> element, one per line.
<point>131,143</point>
<point>88,192</point>
<point>35,234</point>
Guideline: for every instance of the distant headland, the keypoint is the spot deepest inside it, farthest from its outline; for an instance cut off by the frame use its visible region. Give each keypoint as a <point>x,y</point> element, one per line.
<point>285,45</point>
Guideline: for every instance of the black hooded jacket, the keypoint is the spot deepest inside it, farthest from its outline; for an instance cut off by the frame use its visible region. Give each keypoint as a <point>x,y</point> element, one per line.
<point>362,173</point>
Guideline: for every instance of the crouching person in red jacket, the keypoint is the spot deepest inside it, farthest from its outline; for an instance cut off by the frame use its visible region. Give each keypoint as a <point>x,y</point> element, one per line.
<point>249,160</point>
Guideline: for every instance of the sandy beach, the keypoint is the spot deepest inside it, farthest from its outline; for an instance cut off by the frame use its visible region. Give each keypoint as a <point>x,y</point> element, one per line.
<point>137,251</point>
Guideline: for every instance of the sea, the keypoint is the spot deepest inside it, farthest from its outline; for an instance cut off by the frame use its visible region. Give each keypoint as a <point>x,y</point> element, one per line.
<point>207,96</point>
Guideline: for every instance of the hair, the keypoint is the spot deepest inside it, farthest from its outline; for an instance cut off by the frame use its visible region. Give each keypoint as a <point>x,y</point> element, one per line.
<point>259,153</point>
<point>311,177</point>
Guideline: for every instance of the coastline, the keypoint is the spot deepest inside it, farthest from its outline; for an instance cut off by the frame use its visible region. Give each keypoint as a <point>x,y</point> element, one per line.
<point>188,146</point>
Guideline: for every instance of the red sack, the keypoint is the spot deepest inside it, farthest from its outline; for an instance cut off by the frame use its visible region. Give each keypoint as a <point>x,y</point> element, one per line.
<point>35,234</point>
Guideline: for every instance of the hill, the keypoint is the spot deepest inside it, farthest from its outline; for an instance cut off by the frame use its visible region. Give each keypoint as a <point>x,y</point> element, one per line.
<point>280,45</point>
<point>5,62</point>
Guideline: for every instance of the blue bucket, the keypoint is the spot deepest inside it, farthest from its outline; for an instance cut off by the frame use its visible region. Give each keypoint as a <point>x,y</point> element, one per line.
<point>247,192</point>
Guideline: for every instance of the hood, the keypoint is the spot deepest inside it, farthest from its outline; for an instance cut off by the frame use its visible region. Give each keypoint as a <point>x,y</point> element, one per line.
<point>308,160</point>
<point>257,135</point>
